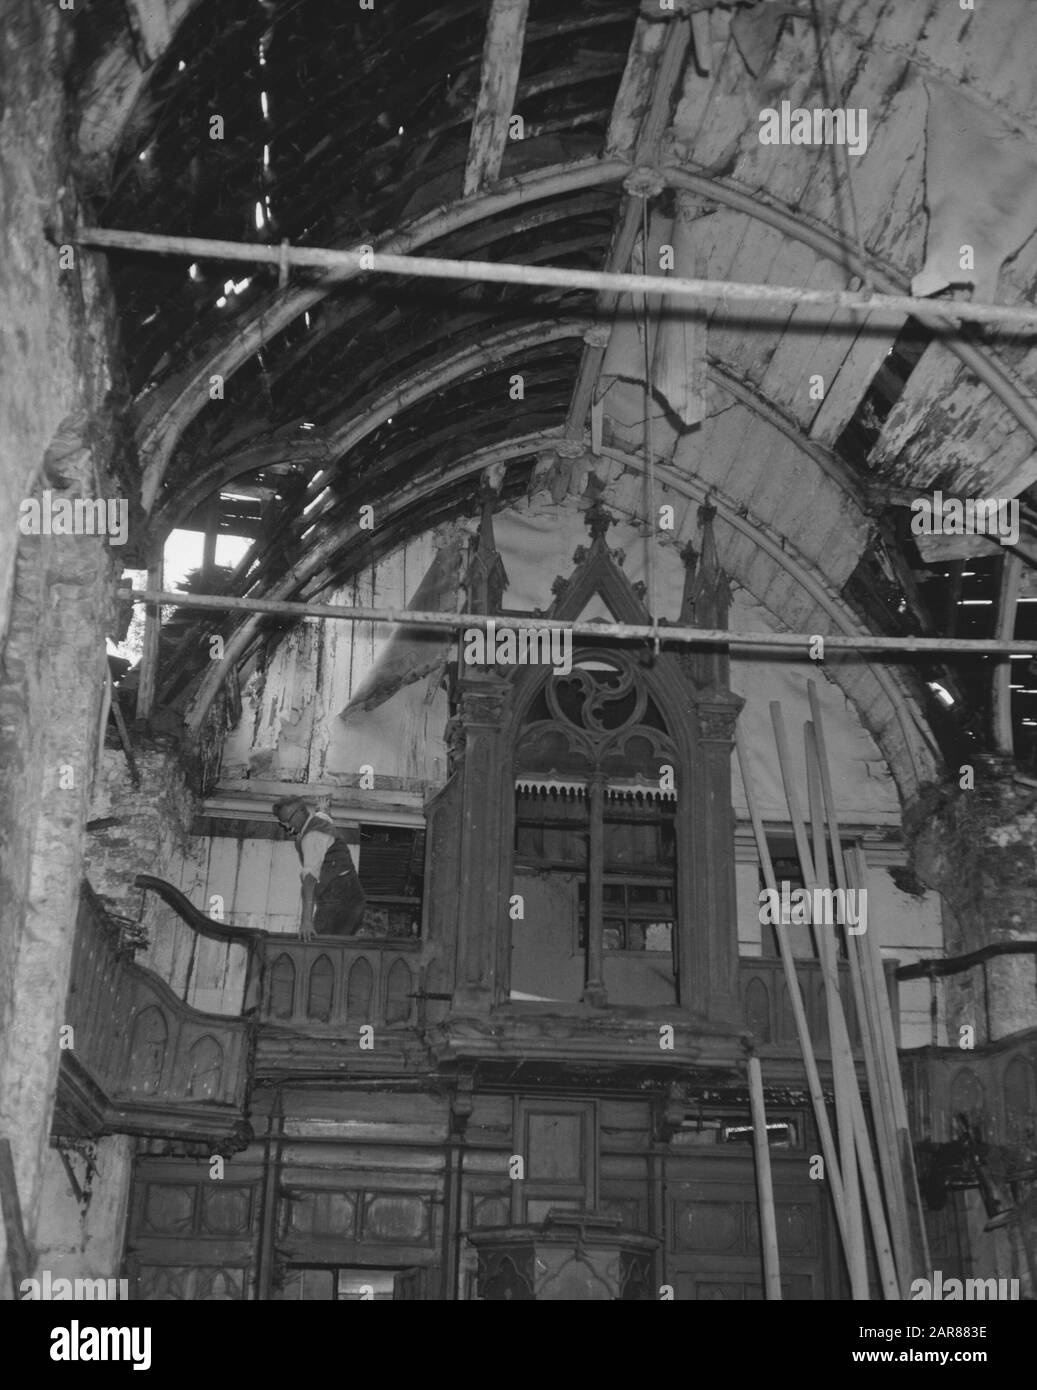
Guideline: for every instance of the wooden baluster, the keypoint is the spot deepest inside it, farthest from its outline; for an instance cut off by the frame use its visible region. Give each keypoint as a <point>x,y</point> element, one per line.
<point>594,990</point>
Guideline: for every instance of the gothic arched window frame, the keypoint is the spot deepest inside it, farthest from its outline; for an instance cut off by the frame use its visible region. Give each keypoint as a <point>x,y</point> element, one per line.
<point>601,738</point>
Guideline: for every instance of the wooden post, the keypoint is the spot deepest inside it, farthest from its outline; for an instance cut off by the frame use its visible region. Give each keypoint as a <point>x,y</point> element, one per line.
<point>149,657</point>
<point>594,990</point>
<point>482,897</point>
<point>764,1185</point>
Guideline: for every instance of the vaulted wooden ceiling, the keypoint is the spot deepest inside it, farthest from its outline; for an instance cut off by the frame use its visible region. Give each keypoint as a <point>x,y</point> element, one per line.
<point>389,126</point>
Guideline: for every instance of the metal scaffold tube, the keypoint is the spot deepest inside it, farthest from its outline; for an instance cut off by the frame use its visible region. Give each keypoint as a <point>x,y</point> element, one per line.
<point>366,259</point>
<point>620,632</point>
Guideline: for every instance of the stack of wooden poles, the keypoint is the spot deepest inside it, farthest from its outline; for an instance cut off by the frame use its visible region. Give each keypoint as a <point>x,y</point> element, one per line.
<point>875,1161</point>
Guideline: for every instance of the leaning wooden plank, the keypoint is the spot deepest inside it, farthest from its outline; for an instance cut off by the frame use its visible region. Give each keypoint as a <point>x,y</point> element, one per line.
<point>887,1036</point>
<point>870,1025</point>
<point>844,1077</point>
<point>843,1068</point>
<point>842,1063</point>
<point>764,1185</point>
<point>817,1097</point>
<point>634,96</point>
<point>501,60</point>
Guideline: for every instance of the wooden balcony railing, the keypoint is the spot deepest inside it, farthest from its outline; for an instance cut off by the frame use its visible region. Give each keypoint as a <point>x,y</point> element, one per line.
<point>139,1059</point>
<point>993,1087</point>
<point>341,983</point>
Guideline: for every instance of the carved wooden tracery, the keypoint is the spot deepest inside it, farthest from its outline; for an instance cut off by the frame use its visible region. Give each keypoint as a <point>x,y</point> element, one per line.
<point>601,723</point>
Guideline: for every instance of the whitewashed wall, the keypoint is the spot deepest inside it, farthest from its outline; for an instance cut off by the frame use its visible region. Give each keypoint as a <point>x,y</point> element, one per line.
<point>290,730</point>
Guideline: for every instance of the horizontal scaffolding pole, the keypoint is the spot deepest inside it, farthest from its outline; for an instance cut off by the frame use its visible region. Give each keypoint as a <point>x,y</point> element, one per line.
<point>283,256</point>
<point>621,632</point>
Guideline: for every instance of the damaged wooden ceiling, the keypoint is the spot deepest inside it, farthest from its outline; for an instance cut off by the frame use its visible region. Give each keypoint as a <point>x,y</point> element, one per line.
<point>394,126</point>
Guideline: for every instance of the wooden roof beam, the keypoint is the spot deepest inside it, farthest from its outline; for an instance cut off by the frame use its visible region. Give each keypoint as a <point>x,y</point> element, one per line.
<point>170,408</point>
<point>501,61</point>
<point>152,29</point>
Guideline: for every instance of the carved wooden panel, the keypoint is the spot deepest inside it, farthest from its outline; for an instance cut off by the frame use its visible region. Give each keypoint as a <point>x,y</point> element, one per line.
<point>218,1285</point>
<point>796,1224</point>
<point>281,1002</point>
<point>190,1283</point>
<point>169,1208</point>
<point>787,1025</point>
<point>757,1010</point>
<point>967,1095</point>
<point>226,1210</point>
<point>398,987</point>
<point>306,1285</point>
<point>329,1214</point>
<point>322,1214</point>
<point>196,1209</point>
<point>490,1211</point>
<point>403,1218</point>
<point>361,988</point>
<point>709,1226</point>
<point>149,1040</point>
<point>636,1277</point>
<point>555,1147</point>
<point>1020,1100</point>
<point>320,990</point>
<point>205,1069</point>
<point>588,1277</point>
<point>506,1275</point>
<point>731,1227</point>
<point>162,1283</point>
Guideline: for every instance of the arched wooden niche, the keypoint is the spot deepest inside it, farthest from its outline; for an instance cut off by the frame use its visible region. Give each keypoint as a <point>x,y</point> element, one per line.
<point>595,840</point>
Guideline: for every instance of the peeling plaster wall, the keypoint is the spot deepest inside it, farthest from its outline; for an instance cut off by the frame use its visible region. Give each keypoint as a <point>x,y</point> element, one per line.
<point>153,822</point>
<point>55,591</point>
<point>85,1241</point>
<point>289,729</point>
<point>978,849</point>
